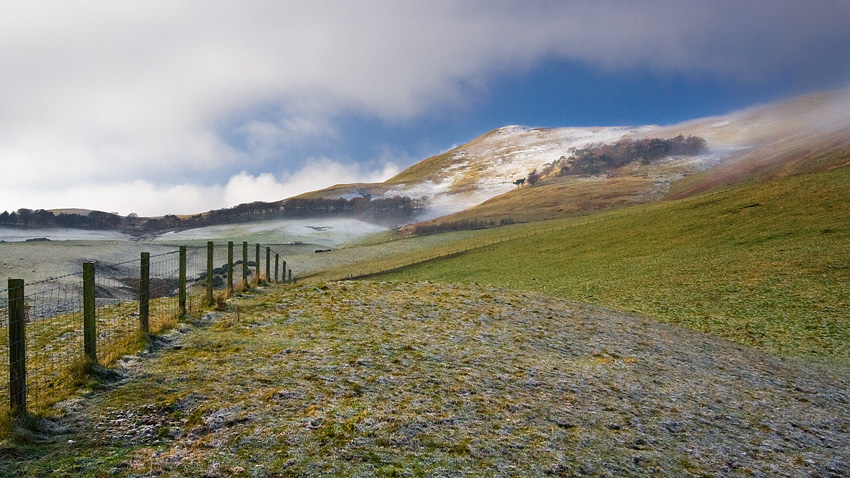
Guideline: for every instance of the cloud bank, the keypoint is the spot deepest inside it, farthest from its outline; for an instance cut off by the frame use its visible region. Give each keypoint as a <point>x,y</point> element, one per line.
<point>146,198</point>
<point>113,105</point>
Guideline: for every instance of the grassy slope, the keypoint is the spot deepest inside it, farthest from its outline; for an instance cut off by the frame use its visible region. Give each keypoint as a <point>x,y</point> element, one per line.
<point>428,169</point>
<point>763,265</point>
<point>423,379</point>
<point>557,198</point>
<point>790,155</point>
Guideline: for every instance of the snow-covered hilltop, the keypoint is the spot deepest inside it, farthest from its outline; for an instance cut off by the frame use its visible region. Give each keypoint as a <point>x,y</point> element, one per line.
<point>489,165</point>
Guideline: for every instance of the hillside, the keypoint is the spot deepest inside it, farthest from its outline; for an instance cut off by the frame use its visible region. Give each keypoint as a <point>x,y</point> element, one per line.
<point>485,167</point>
<point>561,197</point>
<point>475,181</point>
<point>424,379</point>
<point>800,153</point>
<point>764,264</point>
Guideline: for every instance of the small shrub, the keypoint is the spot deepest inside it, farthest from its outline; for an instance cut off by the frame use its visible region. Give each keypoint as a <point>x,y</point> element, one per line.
<point>220,302</point>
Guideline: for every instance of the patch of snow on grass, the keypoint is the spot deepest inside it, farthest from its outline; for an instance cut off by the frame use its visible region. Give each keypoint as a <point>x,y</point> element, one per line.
<point>494,163</point>
<point>325,231</point>
<point>60,234</point>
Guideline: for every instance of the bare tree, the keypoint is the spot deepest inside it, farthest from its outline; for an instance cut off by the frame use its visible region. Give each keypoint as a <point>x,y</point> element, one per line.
<point>533,177</point>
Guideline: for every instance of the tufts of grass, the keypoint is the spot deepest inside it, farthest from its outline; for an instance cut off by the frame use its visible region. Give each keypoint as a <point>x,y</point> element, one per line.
<point>221,301</point>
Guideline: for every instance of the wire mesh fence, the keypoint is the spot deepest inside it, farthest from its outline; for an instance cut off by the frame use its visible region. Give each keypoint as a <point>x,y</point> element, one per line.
<point>49,350</point>
<point>41,336</point>
<point>4,348</point>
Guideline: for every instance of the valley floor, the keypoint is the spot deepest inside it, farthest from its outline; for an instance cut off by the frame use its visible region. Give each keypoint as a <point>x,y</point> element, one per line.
<point>424,379</point>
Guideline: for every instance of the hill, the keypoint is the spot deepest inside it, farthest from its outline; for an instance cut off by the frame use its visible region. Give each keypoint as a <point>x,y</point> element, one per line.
<point>806,134</point>
<point>763,264</point>
<point>474,185</point>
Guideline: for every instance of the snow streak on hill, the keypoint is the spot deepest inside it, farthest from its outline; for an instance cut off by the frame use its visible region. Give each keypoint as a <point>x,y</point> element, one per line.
<point>489,165</point>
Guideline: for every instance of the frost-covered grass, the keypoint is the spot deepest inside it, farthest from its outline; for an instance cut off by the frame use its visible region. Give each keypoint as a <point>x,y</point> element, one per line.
<point>39,261</point>
<point>9,234</point>
<point>56,365</point>
<point>426,379</point>
<point>330,232</point>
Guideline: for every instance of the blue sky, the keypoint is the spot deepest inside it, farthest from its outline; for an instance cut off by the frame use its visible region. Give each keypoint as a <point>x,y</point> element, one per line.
<point>162,107</point>
<point>562,93</point>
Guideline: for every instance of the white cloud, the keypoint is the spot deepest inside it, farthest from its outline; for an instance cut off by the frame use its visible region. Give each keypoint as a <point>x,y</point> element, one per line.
<point>317,173</point>
<point>148,199</point>
<point>118,93</point>
<point>141,197</point>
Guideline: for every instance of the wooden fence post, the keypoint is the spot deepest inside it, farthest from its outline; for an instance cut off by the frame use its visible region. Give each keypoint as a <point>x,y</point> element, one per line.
<point>245,264</point>
<point>257,265</point>
<point>210,258</point>
<point>89,322</point>
<point>17,348</point>
<point>283,268</point>
<point>290,276</point>
<point>268,264</point>
<point>144,293</point>
<point>181,294</point>
<point>276,267</point>
<point>229,267</point>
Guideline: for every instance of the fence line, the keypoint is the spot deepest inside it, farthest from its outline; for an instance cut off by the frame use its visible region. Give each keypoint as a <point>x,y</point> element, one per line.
<point>99,314</point>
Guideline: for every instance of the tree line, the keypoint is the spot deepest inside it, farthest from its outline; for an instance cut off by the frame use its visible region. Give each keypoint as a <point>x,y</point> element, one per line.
<point>386,210</point>
<point>42,218</point>
<point>436,227</point>
<point>605,157</point>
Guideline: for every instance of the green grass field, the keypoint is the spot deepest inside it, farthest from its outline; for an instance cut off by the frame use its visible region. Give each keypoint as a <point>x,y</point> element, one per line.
<point>765,265</point>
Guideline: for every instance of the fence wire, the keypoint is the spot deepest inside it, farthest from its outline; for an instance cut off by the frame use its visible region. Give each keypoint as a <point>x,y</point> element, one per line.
<point>55,342</point>
<point>53,339</point>
<point>4,350</point>
<point>278,269</point>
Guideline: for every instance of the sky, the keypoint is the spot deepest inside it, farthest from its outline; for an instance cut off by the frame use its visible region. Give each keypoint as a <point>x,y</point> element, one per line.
<point>176,107</point>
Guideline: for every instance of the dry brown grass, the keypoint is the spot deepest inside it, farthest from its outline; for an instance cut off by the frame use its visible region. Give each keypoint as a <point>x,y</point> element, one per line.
<point>560,198</point>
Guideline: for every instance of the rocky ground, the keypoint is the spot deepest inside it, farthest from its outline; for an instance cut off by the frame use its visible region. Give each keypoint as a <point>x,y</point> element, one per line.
<point>424,379</point>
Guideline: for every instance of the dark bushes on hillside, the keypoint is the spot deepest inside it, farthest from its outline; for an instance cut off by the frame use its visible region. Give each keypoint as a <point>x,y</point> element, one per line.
<point>597,159</point>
